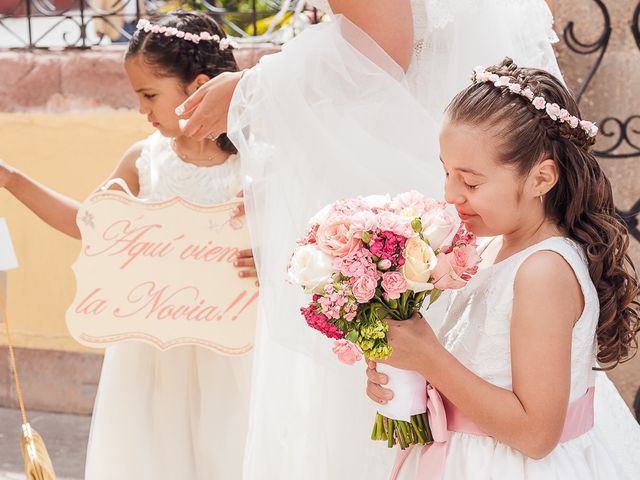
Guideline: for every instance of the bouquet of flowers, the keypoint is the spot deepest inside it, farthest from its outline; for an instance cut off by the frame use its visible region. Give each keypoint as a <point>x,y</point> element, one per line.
<point>369,258</point>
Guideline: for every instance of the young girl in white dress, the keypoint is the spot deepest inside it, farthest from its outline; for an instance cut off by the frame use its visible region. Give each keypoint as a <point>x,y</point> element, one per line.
<point>182,413</point>
<point>511,375</point>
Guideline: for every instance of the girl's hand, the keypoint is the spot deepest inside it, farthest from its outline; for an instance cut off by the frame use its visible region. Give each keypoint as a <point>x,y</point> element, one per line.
<point>208,107</point>
<point>375,380</point>
<point>7,173</point>
<point>411,341</point>
<point>246,262</point>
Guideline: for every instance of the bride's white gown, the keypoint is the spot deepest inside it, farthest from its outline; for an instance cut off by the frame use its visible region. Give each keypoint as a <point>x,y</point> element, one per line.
<point>333,116</point>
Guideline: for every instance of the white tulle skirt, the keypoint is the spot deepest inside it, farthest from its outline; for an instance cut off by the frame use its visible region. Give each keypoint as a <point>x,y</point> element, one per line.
<point>180,414</point>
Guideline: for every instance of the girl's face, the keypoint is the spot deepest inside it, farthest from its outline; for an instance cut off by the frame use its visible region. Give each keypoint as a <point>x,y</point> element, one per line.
<point>490,197</point>
<point>159,96</point>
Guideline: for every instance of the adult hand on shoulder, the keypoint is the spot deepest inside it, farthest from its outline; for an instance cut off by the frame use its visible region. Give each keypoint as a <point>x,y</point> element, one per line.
<point>207,108</point>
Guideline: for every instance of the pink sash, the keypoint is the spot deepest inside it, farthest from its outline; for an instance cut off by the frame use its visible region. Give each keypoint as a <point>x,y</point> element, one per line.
<point>445,417</point>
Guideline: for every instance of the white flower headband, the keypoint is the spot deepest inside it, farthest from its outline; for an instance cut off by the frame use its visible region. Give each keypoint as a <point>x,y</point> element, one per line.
<point>147,26</point>
<point>553,110</point>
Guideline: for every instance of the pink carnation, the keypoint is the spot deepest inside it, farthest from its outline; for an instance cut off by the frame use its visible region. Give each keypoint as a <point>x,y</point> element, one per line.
<point>347,352</point>
<point>388,246</point>
<point>320,322</point>
<point>391,222</point>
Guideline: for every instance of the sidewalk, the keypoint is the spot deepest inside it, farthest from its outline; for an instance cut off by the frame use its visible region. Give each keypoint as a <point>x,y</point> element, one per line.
<point>64,435</point>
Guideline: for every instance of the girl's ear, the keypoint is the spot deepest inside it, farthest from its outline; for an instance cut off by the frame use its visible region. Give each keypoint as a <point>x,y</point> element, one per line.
<point>545,176</point>
<point>197,83</point>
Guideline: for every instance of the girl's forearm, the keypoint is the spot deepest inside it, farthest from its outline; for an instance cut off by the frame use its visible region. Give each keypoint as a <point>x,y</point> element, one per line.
<point>495,410</point>
<point>54,209</point>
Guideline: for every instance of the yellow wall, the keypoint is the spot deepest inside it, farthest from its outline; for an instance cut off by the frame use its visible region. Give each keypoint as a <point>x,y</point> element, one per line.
<point>71,153</point>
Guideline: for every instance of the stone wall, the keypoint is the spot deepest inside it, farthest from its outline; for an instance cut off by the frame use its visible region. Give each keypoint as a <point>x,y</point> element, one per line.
<point>613,92</point>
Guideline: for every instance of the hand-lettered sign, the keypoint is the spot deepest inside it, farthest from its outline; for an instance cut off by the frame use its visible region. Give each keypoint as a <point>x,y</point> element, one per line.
<point>161,272</point>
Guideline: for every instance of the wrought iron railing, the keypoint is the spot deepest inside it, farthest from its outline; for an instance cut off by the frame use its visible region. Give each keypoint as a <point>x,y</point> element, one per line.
<point>620,136</point>
<point>89,23</point>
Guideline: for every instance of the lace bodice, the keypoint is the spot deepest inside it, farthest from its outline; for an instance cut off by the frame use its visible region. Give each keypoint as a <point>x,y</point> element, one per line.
<point>163,175</point>
<point>477,325</point>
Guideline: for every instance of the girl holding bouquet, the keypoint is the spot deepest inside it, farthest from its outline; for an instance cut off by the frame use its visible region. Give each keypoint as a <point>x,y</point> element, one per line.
<point>511,373</point>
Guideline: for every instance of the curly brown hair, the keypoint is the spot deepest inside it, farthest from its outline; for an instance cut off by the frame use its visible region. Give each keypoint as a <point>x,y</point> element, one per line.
<point>175,57</point>
<point>581,202</point>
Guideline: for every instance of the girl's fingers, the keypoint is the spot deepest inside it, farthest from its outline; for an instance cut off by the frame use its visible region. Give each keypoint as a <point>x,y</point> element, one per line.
<point>377,377</point>
<point>371,364</point>
<point>238,211</point>
<point>377,393</point>
<point>193,127</point>
<point>244,262</point>
<point>245,253</point>
<point>251,273</point>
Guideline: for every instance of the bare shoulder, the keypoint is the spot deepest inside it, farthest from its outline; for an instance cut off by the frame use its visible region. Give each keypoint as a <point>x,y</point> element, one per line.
<point>545,275</point>
<point>547,267</point>
<point>126,168</point>
<point>132,154</point>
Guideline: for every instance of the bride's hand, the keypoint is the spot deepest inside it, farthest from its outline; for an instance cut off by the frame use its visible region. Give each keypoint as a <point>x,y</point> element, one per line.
<point>411,340</point>
<point>207,108</point>
<point>375,380</point>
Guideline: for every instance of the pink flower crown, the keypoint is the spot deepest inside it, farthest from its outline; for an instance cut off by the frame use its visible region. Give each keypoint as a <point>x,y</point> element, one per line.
<point>147,26</point>
<point>553,110</point>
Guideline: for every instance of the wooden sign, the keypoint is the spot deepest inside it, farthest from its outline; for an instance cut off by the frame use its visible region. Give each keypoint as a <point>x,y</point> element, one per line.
<point>162,273</point>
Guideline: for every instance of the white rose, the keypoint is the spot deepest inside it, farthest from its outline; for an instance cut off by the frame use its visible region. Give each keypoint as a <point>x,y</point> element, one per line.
<point>420,260</point>
<point>310,268</point>
<point>437,227</point>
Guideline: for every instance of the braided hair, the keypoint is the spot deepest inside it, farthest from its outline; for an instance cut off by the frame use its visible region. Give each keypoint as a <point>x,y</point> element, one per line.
<point>170,56</point>
<point>582,200</point>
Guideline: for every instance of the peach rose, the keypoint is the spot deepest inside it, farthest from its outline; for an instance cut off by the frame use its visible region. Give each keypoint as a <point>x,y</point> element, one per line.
<point>335,238</point>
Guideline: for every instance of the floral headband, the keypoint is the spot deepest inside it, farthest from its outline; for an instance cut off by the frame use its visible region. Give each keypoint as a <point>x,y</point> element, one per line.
<point>553,110</point>
<point>147,26</point>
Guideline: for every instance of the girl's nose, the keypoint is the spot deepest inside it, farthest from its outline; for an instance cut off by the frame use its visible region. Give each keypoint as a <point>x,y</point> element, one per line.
<point>452,195</point>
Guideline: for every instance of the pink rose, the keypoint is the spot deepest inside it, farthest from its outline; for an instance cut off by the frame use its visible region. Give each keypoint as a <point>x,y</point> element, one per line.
<point>528,93</point>
<point>454,269</point>
<point>539,103</point>
<point>503,81</point>
<point>394,284</point>
<point>493,78</point>
<point>364,288</point>
<point>564,115</point>
<point>589,127</point>
<point>515,88</point>
<point>437,227</point>
<point>553,110</point>
<point>335,238</point>
<point>347,352</point>
<point>573,121</point>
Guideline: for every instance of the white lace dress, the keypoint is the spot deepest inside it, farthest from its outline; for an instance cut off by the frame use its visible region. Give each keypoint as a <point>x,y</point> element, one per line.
<point>179,414</point>
<point>477,332</point>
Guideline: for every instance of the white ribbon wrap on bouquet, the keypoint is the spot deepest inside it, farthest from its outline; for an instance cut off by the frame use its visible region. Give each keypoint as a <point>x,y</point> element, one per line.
<point>409,393</point>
